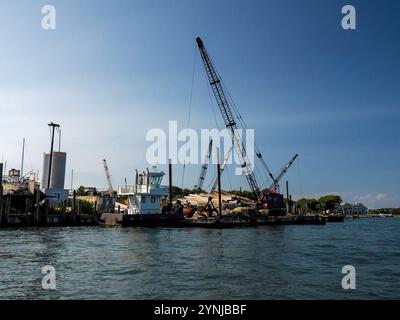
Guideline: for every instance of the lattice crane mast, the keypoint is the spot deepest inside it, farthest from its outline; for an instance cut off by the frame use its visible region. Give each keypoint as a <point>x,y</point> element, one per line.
<point>274,187</point>
<point>229,120</point>
<point>204,167</point>
<point>108,176</point>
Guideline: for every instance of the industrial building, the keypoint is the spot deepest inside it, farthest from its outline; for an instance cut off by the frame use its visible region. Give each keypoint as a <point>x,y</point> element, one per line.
<point>53,186</point>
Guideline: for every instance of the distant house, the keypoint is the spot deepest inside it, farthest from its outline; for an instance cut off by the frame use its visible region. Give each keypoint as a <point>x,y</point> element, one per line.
<point>351,208</point>
<point>359,208</point>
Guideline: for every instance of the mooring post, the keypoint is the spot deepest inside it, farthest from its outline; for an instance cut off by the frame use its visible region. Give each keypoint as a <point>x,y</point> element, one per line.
<point>94,215</point>
<point>170,181</point>
<point>73,207</point>
<point>287,196</point>
<point>8,205</point>
<point>219,183</point>
<point>37,211</point>
<point>27,205</point>
<point>46,210</point>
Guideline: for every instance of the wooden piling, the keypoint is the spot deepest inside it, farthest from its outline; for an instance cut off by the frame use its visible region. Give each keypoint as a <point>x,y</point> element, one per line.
<point>74,207</point>
<point>1,193</point>
<point>219,183</point>
<point>37,209</point>
<point>46,210</point>
<point>8,205</point>
<point>287,197</point>
<point>170,181</point>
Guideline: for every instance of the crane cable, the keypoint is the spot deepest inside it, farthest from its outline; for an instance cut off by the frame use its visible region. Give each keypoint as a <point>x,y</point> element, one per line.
<point>29,156</point>
<point>190,110</point>
<point>219,128</point>
<point>244,126</point>
<point>241,122</point>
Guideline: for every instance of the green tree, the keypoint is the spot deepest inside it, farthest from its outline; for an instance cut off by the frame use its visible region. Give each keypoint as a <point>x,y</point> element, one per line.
<point>329,201</point>
<point>311,205</point>
<point>86,207</point>
<point>81,191</point>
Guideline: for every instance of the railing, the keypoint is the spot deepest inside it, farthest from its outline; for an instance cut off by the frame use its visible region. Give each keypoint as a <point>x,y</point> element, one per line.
<point>156,189</point>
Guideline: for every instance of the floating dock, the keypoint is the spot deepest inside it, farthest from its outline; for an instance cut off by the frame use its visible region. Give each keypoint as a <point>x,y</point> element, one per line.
<point>216,222</point>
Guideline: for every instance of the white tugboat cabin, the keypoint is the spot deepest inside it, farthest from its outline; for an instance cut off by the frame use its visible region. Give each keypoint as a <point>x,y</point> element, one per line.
<point>145,196</point>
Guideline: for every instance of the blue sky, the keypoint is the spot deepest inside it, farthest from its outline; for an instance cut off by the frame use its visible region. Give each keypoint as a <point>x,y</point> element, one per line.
<point>115,69</point>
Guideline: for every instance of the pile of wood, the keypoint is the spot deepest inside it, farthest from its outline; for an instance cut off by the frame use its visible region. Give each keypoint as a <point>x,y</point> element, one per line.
<point>231,204</point>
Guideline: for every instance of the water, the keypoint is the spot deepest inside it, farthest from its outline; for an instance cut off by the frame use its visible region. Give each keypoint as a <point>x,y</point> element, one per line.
<point>281,262</point>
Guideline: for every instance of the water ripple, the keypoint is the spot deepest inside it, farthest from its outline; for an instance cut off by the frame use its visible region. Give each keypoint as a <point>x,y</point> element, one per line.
<point>283,262</point>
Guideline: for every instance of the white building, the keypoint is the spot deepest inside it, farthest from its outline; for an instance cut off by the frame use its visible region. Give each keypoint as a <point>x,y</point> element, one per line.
<point>55,191</point>
<point>351,208</point>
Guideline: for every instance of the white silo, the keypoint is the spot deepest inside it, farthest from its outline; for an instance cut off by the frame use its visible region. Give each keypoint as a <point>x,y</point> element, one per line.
<point>45,171</point>
<point>57,178</point>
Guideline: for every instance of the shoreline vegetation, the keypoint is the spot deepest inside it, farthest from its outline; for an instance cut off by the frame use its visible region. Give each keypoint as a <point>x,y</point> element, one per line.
<point>310,205</point>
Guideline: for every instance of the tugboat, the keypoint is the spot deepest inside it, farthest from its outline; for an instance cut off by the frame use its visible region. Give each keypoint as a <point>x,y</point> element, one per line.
<point>145,202</point>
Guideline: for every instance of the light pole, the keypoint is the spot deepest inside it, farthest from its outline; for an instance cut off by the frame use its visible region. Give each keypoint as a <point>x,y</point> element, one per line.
<point>53,126</point>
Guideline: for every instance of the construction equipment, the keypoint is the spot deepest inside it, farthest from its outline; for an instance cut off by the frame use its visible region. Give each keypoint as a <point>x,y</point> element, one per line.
<point>108,177</point>
<point>274,187</point>
<point>259,155</point>
<point>229,120</point>
<point>273,201</point>
<point>204,167</point>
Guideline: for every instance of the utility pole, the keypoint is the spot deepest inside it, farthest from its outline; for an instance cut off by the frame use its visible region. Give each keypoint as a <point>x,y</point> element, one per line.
<point>37,207</point>
<point>170,181</point>
<point>22,160</point>
<point>53,126</point>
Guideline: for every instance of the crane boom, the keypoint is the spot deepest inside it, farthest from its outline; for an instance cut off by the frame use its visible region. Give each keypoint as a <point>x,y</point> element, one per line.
<point>204,168</point>
<point>282,172</point>
<point>229,120</point>
<point>259,155</point>
<point>108,176</point>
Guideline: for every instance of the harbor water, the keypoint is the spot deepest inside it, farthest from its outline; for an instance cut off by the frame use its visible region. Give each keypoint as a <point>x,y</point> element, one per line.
<point>272,262</point>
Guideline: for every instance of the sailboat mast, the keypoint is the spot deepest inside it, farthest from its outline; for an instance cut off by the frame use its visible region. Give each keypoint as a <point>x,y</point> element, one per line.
<point>23,156</point>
